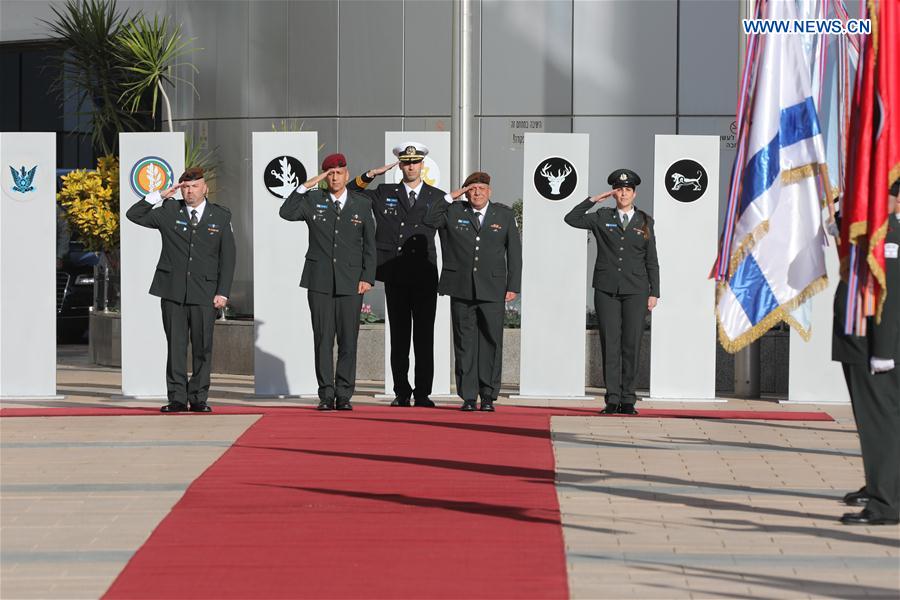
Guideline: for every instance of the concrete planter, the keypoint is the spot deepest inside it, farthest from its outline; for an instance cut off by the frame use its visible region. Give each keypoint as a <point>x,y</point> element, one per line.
<point>233,354</point>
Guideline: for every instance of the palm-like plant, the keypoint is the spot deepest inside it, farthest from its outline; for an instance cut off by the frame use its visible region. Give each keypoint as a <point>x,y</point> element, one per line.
<point>92,78</point>
<point>149,52</point>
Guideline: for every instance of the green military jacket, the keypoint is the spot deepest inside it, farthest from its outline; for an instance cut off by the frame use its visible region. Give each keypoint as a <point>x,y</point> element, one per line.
<point>479,263</point>
<point>341,247</point>
<point>626,259</point>
<point>196,263</point>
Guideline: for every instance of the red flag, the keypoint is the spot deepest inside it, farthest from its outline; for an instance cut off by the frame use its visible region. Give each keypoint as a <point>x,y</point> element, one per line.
<point>874,153</point>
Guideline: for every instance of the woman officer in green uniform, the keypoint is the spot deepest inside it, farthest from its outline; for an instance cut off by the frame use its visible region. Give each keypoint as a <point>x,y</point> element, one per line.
<point>626,283</point>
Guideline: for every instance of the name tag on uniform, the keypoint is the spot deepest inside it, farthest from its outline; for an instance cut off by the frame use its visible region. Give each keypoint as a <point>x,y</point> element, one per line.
<point>890,250</point>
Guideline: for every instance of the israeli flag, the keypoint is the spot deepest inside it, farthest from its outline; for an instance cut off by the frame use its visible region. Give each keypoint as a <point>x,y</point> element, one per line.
<point>777,260</point>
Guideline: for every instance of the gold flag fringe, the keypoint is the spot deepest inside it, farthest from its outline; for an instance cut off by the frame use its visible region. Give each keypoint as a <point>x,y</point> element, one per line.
<point>782,313</point>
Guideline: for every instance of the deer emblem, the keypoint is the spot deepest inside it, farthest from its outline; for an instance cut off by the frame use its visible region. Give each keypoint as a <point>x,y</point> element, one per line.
<point>555,180</point>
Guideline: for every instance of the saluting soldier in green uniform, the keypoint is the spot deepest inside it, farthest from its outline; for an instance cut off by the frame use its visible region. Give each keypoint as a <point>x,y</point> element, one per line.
<point>339,269</point>
<point>626,283</point>
<point>872,373</point>
<point>482,269</point>
<point>193,279</point>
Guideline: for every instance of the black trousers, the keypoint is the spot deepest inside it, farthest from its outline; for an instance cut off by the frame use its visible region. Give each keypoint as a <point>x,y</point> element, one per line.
<point>621,320</point>
<point>876,407</point>
<point>182,322</point>
<point>335,316</point>
<point>477,347</point>
<point>411,310</point>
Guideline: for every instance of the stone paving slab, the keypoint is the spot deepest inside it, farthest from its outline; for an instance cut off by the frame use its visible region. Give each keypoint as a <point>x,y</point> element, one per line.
<point>717,509</point>
<point>78,495</point>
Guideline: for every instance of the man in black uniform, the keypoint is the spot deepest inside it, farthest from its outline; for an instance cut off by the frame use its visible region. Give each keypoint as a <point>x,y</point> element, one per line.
<point>339,269</point>
<point>872,373</point>
<point>193,279</point>
<point>407,264</point>
<point>626,283</point>
<point>482,270</point>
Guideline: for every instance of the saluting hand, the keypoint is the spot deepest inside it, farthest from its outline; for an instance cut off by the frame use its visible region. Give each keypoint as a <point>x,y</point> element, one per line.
<point>457,193</point>
<point>601,197</point>
<point>373,173</point>
<point>314,182</point>
<point>171,191</point>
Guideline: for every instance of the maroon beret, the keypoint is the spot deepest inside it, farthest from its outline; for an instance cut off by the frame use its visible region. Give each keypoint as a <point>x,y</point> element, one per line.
<point>192,174</point>
<point>478,177</point>
<point>333,161</point>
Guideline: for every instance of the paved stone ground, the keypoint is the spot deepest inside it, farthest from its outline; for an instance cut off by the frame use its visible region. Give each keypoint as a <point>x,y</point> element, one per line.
<point>652,508</point>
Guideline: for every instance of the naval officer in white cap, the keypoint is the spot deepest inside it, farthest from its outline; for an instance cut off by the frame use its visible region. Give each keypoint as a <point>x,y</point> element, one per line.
<point>407,264</point>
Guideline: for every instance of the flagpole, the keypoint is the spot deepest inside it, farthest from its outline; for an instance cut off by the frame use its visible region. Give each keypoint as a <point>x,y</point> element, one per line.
<point>746,360</point>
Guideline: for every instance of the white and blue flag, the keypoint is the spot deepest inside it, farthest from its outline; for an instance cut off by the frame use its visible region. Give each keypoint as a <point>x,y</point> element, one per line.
<point>777,256</point>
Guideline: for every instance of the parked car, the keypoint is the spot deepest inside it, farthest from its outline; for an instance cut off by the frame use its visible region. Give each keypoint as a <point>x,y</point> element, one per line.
<point>74,294</point>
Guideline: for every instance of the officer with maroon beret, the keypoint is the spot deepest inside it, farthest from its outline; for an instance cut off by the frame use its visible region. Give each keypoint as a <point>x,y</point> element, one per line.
<point>339,268</point>
<point>482,270</point>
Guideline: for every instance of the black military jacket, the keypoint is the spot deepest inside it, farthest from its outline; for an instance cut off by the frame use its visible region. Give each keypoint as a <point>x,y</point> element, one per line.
<point>195,264</point>
<point>341,247</point>
<point>479,263</point>
<point>626,260</point>
<point>406,249</point>
<point>882,339</point>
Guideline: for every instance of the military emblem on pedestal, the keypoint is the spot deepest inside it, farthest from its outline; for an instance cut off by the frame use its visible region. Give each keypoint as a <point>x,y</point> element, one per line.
<point>555,178</point>
<point>22,180</point>
<point>151,174</point>
<point>283,175</point>
<point>686,180</point>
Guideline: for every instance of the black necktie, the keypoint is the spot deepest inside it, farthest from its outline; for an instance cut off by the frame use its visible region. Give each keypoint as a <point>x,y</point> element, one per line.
<point>337,206</point>
<point>194,219</point>
<point>624,220</point>
<point>412,198</point>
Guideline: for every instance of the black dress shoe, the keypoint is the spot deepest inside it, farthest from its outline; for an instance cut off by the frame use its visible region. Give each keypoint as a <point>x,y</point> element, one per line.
<point>200,407</point>
<point>344,405</point>
<point>173,407</point>
<point>468,406</point>
<point>611,409</point>
<point>400,401</point>
<point>425,402</point>
<point>487,405</point>
<point>858,498</point>
<point>325,405</point>
<point>864,517</point>
<point>627,409</point>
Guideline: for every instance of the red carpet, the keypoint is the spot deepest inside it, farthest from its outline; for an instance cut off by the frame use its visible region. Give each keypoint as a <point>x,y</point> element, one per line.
<point>648,413</point>
<point>378,503</point>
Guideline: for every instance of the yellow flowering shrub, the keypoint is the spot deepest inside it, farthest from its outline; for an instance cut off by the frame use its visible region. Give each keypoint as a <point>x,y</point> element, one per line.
<point>91,200</point>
